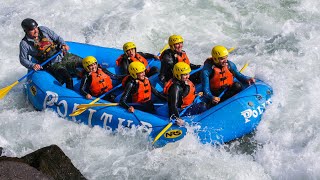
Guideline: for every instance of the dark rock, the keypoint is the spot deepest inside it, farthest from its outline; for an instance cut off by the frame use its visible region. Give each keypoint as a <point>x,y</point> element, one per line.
<point>46,163</point>
<point>1,150</point>
<point>18,170</point>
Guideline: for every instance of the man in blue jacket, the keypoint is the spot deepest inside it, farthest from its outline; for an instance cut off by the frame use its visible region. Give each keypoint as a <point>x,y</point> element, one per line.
<point>218,76</point>
<point>41,43</point>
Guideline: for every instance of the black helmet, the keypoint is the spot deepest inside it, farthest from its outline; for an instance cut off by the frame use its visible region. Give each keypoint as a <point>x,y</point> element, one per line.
<point>28,24</point>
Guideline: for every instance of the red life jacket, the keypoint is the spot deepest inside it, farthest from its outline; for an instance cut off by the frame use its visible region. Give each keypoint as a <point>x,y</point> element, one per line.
<point>222,77</point>
<point>143,93</point>
<point>101,83</point>
<point>137,57</point>
<point>45,47</point>
<point>186,100</point>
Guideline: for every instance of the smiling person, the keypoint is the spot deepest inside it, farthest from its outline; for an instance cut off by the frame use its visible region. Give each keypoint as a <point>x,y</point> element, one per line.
<point>96,80</point>
<point>138,89</point>
<point>218,74</point>
<point>172,56</point>
<point>181,93</point>
<point>41,43</point>
<point>131,55</point>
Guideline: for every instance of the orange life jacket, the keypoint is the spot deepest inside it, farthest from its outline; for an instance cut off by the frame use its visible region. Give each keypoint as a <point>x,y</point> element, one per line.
<point>188,99</point>
<point>143,93</point>
<point>222,77</point>
<point>182,58</point>
<point>137,57</point>
<point>101,83</point>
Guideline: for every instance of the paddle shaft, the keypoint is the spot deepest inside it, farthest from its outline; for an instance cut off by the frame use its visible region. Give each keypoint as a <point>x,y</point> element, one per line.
<point>42,64</point>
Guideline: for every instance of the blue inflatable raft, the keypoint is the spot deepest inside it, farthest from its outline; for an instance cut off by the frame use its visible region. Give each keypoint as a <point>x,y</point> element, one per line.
<point>227,121</point>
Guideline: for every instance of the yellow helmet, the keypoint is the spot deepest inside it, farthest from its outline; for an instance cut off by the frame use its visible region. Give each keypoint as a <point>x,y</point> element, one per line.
<point>174,39</point>
<point>219,51</point>
<point>135,68</point>
<point>127,46</point>
<point>87,61</point>
<point>181,68</point>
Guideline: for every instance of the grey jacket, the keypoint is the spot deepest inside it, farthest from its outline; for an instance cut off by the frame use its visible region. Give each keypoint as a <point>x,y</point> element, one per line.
<point>27,49</point>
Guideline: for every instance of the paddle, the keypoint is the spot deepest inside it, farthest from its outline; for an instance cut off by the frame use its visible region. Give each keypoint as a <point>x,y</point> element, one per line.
<point>4,91</point>
<point>110,104</point>
<point>85,107</point>
<point>81,110</point>
<point>171,122</point>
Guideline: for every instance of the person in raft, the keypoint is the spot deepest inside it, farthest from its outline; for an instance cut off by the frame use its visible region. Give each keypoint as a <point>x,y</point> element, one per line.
<point>172,56</point>
<point>138,89</point>
<point>131,55</point>
<point>218,76</point>
<point>96,80</point>
<point>182,93</point>
<point>42,43</point>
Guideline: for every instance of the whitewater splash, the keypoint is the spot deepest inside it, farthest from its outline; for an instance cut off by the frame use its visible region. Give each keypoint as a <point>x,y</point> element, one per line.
<point>280,39</point>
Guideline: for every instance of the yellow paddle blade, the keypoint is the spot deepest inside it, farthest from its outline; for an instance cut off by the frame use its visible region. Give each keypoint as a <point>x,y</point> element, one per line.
<point>4,91</point>
<point>164,48</point>
<point>162,132</point>
<point>231,49</point>
<point>80,106</point>
<point>244,67</point>
<point>81,110</point>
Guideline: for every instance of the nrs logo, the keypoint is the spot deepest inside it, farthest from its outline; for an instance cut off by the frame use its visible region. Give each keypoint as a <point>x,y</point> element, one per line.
<point>33,90</point>
<point>173,133</point>
<point>248,113</point>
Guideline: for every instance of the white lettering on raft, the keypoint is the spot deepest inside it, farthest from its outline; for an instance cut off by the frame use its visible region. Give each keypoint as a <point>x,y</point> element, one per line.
<point>52,98</point>
<point>248,113</point>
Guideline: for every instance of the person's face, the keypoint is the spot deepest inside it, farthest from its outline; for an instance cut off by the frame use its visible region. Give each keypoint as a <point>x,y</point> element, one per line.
<point>185,77</point>
<point>93,67</point>
<point>141,75</point>
<point>178,47</point>
<point>131,52</point>
<point>34,33</point>
<point>223,61</point>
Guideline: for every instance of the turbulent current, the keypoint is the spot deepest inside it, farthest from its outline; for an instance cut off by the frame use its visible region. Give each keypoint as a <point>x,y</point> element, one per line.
<point>280,40</point>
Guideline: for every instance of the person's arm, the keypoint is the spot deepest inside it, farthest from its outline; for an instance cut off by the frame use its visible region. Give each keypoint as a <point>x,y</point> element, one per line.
<point>233,68</point>
<point>113,76</point>
<point>166,64</point>
<point>193,66</point>
<point>23,56</point>
<point>126,93</point>
<point>148,55</point>
<point>85,85</point>
<point>173,101</point>
<point>158,94</point>
<point>205,79</point>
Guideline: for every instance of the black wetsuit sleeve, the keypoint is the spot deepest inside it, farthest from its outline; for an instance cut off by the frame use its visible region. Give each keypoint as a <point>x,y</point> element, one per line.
<point>173,100</point>
<point>146,55</point>
<point>193,66</point>
<point>113,76</point>
<point>158,94</point>
<point>124,65</point>
<point>85,85</point>
<point>126,93</point>
<point>166,68</point>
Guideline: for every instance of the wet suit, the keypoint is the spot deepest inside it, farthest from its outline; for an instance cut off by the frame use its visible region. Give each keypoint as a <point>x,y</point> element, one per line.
<point>168,60</point>
<point>131,87</point>
<point>177,91</point>
<point>125,61</point>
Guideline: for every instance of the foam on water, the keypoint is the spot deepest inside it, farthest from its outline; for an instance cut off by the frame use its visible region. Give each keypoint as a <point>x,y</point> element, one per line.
<point>280,39</point>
